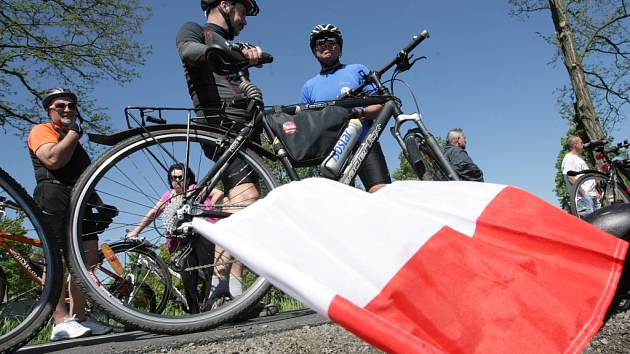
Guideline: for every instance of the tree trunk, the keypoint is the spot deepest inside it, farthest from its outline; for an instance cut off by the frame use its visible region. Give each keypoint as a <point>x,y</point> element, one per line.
<point>585,116</point>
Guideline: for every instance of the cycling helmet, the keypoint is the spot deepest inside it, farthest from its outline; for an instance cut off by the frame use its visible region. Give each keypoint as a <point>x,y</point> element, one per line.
<point>57,92</point>
<point>250,5</point>
<point>325,30</point>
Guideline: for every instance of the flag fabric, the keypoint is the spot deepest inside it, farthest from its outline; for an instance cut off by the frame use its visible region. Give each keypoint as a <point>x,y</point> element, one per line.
<point>432,267</point>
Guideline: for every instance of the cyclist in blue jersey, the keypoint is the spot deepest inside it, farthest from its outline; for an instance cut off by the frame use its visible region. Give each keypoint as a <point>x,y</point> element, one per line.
<point>335,79</point>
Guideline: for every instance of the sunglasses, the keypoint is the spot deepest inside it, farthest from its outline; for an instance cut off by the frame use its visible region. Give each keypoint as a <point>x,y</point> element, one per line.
<point>324,42</point>
<point>177,178</point>
<point>61,106</point>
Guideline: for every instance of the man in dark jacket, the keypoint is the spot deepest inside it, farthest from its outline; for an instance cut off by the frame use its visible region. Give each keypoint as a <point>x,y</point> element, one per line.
<point>456,154</point>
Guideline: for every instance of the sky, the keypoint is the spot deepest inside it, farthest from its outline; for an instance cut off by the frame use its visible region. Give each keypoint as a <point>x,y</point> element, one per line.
<point>486,72</point>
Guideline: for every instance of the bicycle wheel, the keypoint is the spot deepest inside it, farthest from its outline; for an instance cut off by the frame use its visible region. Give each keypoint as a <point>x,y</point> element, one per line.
<point>593,191</point>
<point>30,296</point>
<point>132,176</point>
<point>145,282</point>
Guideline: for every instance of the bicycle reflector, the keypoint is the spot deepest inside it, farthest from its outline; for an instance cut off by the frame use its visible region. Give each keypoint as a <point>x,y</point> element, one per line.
<point>599,156</point>
<point>605,168</point>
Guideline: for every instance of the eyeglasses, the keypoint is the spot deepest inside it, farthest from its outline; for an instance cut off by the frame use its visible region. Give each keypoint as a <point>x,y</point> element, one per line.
<point>177,178</point>
<point>61,106</point>
<point>323,43</point>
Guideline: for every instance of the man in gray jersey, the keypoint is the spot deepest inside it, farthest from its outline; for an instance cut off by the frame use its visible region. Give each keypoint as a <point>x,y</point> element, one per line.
<point>209,89</point>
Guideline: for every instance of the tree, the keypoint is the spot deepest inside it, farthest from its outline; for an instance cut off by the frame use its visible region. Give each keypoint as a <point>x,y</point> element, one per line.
<point>404,172</point>
<point>593,41</point>
<point>69,43</point>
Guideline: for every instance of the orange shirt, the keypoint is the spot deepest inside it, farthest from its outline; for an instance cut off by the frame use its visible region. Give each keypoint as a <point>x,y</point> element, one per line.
<point>42,134</point>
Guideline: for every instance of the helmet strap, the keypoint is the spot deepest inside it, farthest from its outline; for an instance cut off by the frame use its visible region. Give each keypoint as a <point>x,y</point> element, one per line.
<point>228,22</point>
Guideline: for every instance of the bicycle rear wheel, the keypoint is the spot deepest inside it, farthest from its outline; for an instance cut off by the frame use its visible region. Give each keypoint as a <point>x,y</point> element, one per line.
<point>145,282</point>
<point>132,176</point>
<point>26,303</point>
<point>593,191</point>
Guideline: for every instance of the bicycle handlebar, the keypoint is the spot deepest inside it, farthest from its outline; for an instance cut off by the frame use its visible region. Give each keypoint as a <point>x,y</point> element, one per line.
<point>401,58</point>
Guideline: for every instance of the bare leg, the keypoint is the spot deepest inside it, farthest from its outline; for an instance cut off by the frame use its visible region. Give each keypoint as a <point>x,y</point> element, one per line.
<point>240,197</point>
<point>77,298</point>
<point>376,187</point>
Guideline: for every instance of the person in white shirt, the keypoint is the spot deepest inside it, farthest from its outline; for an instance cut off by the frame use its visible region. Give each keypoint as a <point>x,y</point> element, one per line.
<point>587,195</point>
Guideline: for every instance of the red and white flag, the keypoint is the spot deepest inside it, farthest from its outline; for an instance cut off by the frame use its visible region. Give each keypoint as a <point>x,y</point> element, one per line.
<point>423,267</point>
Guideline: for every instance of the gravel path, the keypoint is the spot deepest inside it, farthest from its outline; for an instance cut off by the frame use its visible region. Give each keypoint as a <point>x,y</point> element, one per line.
<point>328,338</point>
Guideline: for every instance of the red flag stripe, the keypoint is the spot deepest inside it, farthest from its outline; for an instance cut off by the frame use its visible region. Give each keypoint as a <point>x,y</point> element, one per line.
<point>506,287</point>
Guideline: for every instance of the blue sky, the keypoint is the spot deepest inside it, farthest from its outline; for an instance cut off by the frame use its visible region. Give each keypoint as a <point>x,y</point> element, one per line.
<point>486,72</point>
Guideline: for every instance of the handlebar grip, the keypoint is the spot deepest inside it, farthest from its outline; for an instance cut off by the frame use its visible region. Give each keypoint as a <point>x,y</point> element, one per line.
<point>266,58</point>
<point>416,40</point>
<point>594,144</point>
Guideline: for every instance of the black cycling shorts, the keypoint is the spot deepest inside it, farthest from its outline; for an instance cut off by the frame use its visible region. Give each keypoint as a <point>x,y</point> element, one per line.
<point>238,172</point>
<point>53,199</point>
<point>373,170</point>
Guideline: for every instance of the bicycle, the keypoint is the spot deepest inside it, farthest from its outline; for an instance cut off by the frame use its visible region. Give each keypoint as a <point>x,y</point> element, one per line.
<point>30,268</point>
<point>128,173</point>
<point>595,189</point>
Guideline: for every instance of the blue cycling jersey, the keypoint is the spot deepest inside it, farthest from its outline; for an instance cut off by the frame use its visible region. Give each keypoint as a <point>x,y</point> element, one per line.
<point>330,86</point>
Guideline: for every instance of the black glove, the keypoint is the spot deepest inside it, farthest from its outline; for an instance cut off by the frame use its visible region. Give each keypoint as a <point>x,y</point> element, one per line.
<point>76,127</point>
<point>356,112</point>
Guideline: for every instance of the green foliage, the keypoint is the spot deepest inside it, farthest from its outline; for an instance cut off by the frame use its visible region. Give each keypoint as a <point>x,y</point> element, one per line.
<point>75,43</point>
<point>19,284</point>
<point>404,172</point>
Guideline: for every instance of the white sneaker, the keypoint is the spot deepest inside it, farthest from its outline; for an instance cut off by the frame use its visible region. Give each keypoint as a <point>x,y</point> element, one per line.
<point>97,327</point>
<point>68,329</point>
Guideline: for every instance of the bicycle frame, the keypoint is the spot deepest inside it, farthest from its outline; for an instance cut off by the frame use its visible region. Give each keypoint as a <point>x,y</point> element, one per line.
<point>24,263</point>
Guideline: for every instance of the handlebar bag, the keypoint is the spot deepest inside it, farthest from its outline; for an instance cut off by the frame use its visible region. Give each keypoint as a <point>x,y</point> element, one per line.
<point>309,135</point>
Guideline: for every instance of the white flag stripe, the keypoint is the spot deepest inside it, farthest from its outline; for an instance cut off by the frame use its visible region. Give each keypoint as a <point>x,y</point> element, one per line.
<point>457,203</point>
<point>362,261</point>
<point>282,275</point>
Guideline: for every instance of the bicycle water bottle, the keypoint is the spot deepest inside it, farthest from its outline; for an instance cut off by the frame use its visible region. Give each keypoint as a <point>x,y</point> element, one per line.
<point>112,259</point>
<point>332,165</point>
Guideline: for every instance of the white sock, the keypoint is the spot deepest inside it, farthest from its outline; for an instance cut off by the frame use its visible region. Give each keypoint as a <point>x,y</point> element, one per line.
<point>236,286</point>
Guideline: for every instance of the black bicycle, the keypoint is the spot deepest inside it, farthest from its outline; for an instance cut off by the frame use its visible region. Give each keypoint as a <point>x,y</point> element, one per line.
<point>594,189</point>
<point>131,176</point>
<point>30,268</point>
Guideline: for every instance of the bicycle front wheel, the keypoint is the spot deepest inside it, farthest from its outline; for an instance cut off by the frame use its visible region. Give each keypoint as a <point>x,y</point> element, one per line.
<point>31,279</point>
<point>593,191</point>
<point>133,177</point>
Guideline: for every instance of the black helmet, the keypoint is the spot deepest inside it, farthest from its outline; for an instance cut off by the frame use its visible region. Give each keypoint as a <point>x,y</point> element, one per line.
<point>57,92</point>
<point>325,30</point>
<point>250,5</point>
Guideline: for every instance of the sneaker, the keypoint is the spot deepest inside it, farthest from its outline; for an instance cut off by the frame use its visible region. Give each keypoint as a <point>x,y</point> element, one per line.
<point>97,327</point>
<point>68,329</point>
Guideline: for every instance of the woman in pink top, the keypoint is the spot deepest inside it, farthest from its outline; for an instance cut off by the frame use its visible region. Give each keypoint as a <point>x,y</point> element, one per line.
<point>201,250</point>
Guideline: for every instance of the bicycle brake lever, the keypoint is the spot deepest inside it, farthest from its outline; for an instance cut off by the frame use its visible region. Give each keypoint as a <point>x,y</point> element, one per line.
<point>406,65</point>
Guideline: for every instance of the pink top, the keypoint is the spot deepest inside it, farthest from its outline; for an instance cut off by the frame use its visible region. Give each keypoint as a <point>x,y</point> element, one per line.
<point>166,197</point>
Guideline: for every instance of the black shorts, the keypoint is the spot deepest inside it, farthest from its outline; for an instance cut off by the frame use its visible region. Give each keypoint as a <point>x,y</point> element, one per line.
<point>373,170</point>
<point>54,199</point>
<point>238,172</point>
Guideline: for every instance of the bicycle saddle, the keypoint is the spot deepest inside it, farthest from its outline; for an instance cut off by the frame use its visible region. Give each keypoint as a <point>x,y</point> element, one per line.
<point>614,219</point>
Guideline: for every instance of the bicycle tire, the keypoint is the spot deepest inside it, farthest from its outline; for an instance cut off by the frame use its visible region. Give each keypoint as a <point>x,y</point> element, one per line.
<point>147,157</point>
<point>141,276</point>
<point>600,182</point>
<point>29,311</point>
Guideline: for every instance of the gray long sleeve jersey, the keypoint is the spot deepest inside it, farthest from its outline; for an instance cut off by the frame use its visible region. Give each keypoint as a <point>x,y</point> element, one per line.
<point>206,87</point>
